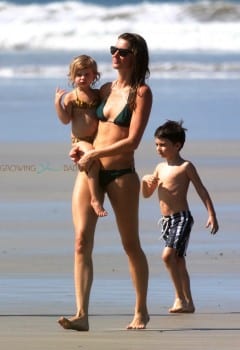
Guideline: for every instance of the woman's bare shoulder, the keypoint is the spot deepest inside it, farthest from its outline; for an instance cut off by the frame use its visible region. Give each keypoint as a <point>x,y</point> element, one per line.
<point>105,89</point>
<point>144,90</point>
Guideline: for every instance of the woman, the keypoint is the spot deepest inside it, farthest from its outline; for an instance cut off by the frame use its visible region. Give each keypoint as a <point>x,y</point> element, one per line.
<point>123,116</point>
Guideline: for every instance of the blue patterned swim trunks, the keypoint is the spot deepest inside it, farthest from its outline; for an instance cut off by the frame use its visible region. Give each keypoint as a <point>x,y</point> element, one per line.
<point>176,231</point>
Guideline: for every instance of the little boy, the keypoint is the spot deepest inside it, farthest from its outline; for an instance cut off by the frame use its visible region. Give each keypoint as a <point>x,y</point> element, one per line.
<point>172,178</point>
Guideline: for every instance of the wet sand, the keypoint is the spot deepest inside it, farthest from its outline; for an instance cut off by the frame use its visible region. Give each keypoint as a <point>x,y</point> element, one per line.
<point>200,331</point>
<point>36,257</point>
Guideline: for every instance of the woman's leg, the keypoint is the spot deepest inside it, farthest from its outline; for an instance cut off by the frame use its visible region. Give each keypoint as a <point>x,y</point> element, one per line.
<point>124,197</point>
<point>84,220</point>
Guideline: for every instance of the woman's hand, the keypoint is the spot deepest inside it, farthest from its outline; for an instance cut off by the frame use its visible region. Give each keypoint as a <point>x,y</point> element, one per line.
<point>86,160</point>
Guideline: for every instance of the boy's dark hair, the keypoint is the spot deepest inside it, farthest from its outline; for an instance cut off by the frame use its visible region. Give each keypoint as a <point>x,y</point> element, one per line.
<point>172,131</point>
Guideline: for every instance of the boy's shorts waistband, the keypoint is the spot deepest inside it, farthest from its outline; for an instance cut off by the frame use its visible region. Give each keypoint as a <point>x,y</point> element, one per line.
<point>179,213</point>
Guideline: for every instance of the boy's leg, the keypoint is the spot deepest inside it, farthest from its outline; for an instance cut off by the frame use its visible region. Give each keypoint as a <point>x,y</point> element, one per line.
<point>171,261</point>
<point>186,286</point>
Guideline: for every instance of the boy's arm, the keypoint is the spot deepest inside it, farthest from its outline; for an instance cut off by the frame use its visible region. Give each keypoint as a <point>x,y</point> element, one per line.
<point>149,184</point>
<point>205,197</point>
<point>62,110</point>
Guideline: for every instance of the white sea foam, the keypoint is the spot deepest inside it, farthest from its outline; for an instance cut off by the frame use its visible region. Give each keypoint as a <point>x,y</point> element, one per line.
<point>203,25</point>
<point>163,70</point>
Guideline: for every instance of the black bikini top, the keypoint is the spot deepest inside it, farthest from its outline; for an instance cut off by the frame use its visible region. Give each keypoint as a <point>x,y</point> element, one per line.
<point>123,118</point>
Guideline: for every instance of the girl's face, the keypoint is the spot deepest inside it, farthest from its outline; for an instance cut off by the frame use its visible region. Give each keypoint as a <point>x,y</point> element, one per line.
<point>166,148</point>
<point>84,77</point>
<point>122,56</point>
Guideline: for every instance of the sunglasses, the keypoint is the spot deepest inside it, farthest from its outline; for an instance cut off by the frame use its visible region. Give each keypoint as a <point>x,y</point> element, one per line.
<point>122,52</point>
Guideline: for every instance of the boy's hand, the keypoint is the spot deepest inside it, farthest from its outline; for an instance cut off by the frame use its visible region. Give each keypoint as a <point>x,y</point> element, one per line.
<point>149,184</point>
<point>213,224</point>
<point>150,179</point>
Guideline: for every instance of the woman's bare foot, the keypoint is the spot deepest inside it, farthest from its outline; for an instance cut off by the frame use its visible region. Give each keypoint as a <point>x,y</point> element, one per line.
<point>190,309</point>
<point>180,306</point>
<point>75,323</point>
<point>139,322</point>
<point>98,208</point>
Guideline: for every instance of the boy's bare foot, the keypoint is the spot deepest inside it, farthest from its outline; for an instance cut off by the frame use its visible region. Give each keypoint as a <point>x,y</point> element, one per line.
<point>76,323</point>
<point>98,208</point>
<point>139,322</point>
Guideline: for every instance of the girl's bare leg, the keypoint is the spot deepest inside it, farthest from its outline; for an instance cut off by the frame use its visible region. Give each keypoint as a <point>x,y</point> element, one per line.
<point>96,192</point>
<point>84,219</point>
<point>93,182</point>
<point>124,196</point>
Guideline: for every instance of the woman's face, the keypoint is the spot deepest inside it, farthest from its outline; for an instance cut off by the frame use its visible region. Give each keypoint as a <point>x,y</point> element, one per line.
<point>122,56</point>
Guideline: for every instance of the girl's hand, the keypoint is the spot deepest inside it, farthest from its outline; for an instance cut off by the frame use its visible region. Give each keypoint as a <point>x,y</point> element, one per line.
<point>75,154</point>
<point>59,94</point>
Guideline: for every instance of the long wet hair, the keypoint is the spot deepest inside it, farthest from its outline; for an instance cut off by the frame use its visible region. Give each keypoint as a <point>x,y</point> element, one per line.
<point>140,71</point>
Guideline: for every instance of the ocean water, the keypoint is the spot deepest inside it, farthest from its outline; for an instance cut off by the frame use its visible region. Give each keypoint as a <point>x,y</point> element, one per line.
<point>194,60</point>
<point>166,25</point>
<point>210,109</point>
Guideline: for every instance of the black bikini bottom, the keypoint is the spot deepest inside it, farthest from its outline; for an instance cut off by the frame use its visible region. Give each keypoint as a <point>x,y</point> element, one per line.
<point>107,176</point>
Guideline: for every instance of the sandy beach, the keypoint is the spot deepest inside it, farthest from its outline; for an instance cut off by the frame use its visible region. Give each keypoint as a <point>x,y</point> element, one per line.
<point>194,50</point>
<point>201,331</point>
<point>36,257</point>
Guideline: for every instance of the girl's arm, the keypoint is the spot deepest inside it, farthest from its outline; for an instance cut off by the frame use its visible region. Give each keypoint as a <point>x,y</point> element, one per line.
<point>62,111</point>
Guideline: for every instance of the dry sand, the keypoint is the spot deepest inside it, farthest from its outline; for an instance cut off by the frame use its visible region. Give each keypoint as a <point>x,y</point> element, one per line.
<point>33,173</point>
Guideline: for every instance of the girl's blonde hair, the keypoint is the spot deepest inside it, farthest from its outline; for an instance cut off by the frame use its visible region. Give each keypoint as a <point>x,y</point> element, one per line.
<point>82,62</point>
